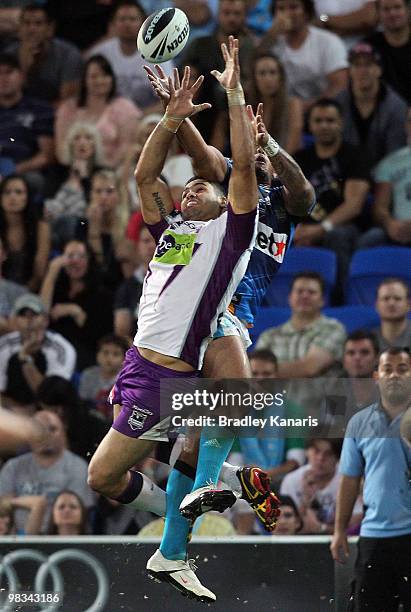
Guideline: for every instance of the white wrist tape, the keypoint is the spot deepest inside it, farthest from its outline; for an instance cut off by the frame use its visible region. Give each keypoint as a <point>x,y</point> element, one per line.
<point>235,96</point>
<point>272,148</point>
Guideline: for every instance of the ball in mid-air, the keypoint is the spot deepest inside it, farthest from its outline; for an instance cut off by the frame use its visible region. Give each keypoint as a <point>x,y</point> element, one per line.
<point>163,35</point>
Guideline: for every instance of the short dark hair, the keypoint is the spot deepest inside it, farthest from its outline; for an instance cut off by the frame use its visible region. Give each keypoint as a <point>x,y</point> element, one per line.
<point>325,103</point>
<point>287,500</point>
<point>309,8</point>
<point>57,391</point>
<point>264,355</point>
<point>335,444</point>
<point>396,350</point>
<point>217,186</point>
<point>310,276</point>
<point>405,3</point>
<point>119,341</point>
<point>36,6</point>
<point>8,59</point>
<point>394,279</point>
<point>364,334</point>
<point>120,3</point>
<point>107,68</point>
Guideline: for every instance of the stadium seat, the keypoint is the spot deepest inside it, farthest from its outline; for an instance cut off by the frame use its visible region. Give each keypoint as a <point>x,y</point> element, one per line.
<point>370,266</point>
<point>302,259</point>
<point>354,317</point>
<point>268,317</point>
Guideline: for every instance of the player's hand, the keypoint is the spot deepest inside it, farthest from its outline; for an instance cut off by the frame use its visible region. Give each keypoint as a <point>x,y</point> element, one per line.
<point>57,263</point>
<point>159,82</point>
<point>32,342</point>
<point>339,547</point>
<point>230,78</point>
<point>94,215</point>
<point>181,95</point>
<point>68,310</point>
<point>80,168</point>
<point>257,125</point>
<point>307,234</point>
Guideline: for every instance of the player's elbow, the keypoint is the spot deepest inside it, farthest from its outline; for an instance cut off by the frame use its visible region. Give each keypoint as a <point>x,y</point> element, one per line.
<point>303,201</point>
<point>142,174</point>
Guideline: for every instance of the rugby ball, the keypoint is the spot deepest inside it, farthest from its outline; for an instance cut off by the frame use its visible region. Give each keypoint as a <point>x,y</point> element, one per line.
<point>163,35</point>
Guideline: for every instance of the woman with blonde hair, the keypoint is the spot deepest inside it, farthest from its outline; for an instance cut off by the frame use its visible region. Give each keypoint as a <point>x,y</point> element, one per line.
<point>283,114</point>
<point>82,153</point>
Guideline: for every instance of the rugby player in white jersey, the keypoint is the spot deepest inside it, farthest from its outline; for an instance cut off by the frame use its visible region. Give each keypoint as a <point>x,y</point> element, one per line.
<point>200,258</point>
<point>291,196</point>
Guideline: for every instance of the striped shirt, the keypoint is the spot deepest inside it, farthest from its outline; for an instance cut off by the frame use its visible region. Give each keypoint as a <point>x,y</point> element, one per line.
<point>59,353</point>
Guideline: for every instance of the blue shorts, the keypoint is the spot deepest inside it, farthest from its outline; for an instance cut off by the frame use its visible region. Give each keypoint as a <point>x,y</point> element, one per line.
<point>231,326</point>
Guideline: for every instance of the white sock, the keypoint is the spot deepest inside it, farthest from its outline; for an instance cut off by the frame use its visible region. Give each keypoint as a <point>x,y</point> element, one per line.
<point>228,475</point>
<point>151,498</point>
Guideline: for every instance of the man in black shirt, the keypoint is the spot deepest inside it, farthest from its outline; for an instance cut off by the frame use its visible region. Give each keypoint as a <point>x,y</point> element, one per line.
<point>374,114</point>
<point>393,43</point>
<point>339,173</point>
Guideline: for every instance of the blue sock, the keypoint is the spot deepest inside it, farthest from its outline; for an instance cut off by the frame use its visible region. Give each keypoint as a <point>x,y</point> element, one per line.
<point>212,454</point>
<point>176,529</point>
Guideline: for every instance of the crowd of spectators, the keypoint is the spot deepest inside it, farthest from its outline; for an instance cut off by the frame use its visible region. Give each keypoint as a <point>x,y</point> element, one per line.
<point>75,110</point>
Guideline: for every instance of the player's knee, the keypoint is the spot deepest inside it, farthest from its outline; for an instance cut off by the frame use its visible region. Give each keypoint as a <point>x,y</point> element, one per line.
<point>99,478</point>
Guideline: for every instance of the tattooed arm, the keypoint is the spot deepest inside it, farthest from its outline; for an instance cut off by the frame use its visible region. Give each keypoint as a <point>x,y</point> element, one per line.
<point>299,194</point>
<point>155,196</point>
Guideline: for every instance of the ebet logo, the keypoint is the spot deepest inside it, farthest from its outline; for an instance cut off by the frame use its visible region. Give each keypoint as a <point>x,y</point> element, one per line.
<point>270,243</point>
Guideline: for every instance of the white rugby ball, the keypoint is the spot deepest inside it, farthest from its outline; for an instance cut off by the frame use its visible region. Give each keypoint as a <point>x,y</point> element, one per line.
<point>163,35</point>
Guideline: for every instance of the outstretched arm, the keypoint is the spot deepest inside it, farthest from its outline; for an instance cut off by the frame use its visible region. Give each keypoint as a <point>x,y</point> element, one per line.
<point>156,200</point>
<point>243,191</point>
<point>208,162</point>
<point>299,193</point>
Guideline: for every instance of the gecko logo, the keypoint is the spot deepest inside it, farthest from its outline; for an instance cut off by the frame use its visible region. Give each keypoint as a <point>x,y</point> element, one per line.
<point>270,243</point>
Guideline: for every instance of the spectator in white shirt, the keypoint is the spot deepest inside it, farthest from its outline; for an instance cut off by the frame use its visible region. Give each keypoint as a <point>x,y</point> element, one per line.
<point>126,61</point>
<point>350,19</point>
<point>315,61</point>
<point>313,487</point>
<point>32,352</point>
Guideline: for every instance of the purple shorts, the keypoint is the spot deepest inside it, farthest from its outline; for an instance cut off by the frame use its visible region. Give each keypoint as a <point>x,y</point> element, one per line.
<point>137,390</point>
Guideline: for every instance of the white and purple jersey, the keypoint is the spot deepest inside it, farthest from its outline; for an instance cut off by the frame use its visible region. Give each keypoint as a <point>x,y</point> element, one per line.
<point>190,281</point>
